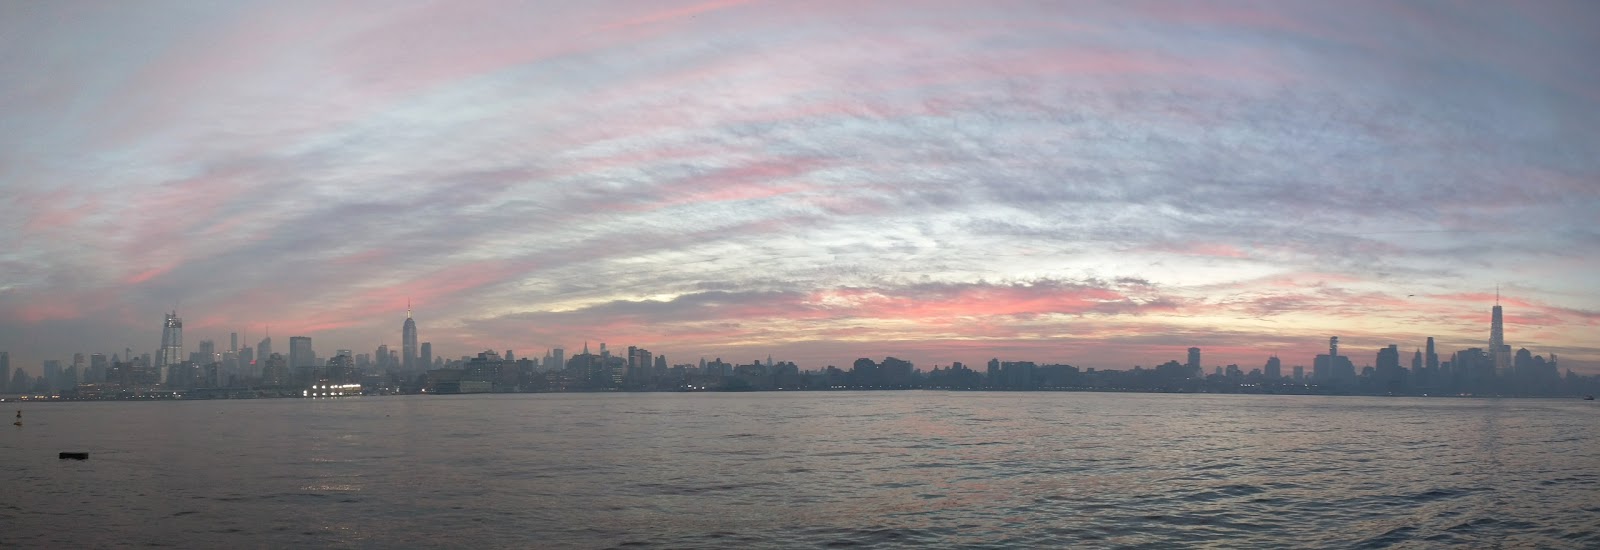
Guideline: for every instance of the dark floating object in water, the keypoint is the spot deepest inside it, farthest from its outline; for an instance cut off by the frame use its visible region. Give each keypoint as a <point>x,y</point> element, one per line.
<point>1588,398</point>
<point>74,456</point>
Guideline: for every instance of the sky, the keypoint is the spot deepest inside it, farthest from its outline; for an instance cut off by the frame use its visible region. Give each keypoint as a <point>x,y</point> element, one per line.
<point>1103,184</point>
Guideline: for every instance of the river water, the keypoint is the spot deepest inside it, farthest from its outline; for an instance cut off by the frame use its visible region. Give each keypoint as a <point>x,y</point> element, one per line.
<point>826,469</point>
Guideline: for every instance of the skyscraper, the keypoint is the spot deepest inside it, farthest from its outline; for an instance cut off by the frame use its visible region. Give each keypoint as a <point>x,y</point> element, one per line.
<point>51,373</point>
<point>1194,360</point>
<point>264,348</point>
<point>1431,360</point>
<point>1389,361</point>
<point>1499,352</point>
<point>1274,368</point>
<point>425,356</point>
<point>408,342</point>
<point>5,370</point>
<point>1332,367</point>
<point>97,368</point>
<point>300,354</point>
<point>207,352</point>
<point>171,341</point>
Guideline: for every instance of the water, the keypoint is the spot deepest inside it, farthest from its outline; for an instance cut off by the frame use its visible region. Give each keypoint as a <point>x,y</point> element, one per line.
<point>806,470</point>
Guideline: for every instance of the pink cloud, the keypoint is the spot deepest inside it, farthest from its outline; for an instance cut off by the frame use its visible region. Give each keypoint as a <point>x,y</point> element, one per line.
<point>56,210</point>
<point>967,301</point>
<point>675,14</point>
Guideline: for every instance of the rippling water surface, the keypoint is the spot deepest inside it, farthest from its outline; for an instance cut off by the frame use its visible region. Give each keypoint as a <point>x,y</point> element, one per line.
<point>806,470</point>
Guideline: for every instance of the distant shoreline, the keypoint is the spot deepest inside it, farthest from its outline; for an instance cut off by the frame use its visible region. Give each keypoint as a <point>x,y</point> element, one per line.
<point>24,398</point>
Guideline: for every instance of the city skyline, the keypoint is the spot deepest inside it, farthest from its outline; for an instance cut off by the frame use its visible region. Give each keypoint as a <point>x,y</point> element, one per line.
<point>209,374</point>
<point>1497,357</point>
<point>1105,185</point>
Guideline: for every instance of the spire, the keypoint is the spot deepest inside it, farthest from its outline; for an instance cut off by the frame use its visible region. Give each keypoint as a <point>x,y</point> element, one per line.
<point>585,347</point>
<point>408,308</point>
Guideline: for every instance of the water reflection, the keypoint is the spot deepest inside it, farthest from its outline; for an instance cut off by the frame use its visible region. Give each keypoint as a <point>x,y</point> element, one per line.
<point>810,469</point>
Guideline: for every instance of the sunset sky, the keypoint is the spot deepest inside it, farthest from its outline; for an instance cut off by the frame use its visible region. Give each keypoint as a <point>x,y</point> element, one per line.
<point>1098,183</point>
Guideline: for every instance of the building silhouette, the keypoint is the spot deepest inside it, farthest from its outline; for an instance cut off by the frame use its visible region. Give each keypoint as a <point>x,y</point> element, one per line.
<point>264,348</point>
<point>171,351</point>
<point>408,343</point>
<point>300,354</point>
<point>1499,352</point>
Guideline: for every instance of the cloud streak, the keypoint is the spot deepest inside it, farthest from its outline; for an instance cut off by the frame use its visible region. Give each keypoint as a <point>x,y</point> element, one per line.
<point>1108,183</point>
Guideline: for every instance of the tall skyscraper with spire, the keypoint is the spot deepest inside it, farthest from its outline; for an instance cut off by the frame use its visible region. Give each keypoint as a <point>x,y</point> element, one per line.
<point>171,341</point>
<point>1498,350</point>
<point>408,342</point>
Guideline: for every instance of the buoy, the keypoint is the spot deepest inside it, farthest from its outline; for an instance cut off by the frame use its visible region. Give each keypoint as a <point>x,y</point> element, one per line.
<point>74,456</point>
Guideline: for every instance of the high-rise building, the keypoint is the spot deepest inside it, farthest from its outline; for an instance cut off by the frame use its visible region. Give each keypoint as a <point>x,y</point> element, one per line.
<point>171,341</point>
<point>341,368</point>
<point>20,382</point>
<point>51,373</point>
<point>97,369</point>
<point>1388,364</point>
<point>1274,368</point>
<point>1332,367</point>
<point>1431,359</point>
<point>264,348</point>
<point>408,343</point>
<point>207,351</point>
<point>5,371</point>
<point>233,342</point>
<point>300,353</point>
<point>1194,360</point>
<point>1499,352</point>
<point>639,364</point>
<point>274,370</point>
<point>425,356</point>
<point>1299,373</point>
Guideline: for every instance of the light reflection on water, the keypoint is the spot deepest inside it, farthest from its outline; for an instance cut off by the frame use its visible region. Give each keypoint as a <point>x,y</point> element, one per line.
<point>807,469</point>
